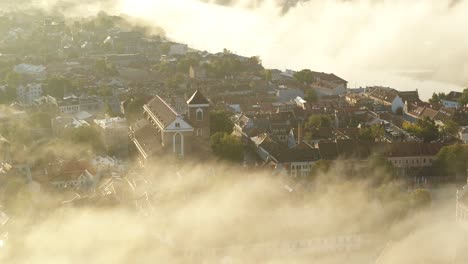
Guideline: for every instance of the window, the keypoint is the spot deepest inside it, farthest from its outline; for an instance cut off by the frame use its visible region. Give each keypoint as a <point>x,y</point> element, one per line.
<point>199,114</point>
<point>177,124</point>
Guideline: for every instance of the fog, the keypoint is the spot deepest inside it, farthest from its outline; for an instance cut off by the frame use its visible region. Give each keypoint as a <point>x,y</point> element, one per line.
<point>404,44</point>
<point>219,213</point>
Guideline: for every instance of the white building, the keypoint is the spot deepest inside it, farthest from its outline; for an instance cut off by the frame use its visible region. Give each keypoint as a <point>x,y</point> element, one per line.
<point>178,49</point>
<point>463,134</point>
<point>26,94</point>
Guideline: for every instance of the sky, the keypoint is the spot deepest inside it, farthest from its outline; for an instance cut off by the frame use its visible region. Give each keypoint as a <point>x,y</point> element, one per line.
<point>403,44</point>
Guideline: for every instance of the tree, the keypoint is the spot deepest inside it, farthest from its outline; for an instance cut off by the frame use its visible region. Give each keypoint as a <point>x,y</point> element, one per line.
<point>57,85</point>
<point>220,122</point>
<point>451,127</point>
<point>311,95</point>
<point>304,76</point>
<point>108,110</point>
<point>104,68</point>
<point>227,147</point>
<point>134,108</point>
<point>267,74</point>
<point>452,159</point>
<point>436,97</point>
<point>372,133</point>
<point>464,98</point>
<point>318,121</point>
<point>425,129</point>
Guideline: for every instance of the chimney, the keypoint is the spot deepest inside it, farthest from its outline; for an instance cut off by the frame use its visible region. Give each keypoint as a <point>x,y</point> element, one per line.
<point>300,132</point>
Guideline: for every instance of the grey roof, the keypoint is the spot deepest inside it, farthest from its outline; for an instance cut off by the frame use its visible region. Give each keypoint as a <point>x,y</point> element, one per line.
<point>162,110</point>
<point>197,98</point>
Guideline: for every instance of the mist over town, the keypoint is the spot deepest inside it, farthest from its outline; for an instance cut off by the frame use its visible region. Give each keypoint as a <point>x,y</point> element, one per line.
<point>203,131</point>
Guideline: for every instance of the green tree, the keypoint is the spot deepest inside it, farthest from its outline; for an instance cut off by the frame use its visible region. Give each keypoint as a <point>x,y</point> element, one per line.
<point>318,121</point>
<point>220,122</point>
<point>425,129</point>
<point>464,98</point>
<point>311,95</point>
<point>134,109</point>
<point>304,76</point>
<point>227,147</point>
<point>453,159</point>
<point>451,127</point>
<point>104,68</point>
<point>436,97</point>
<point>108,110</point>
<point>267,74</point>
<point>57,86</point>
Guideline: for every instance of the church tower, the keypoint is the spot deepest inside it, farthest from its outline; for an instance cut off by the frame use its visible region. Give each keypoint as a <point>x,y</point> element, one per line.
<point>199,114</point>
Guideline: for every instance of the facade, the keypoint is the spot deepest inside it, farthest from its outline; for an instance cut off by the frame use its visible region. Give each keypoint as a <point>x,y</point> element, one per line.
<point>27,94</point>
<point>285,94</point>
<point>199,114</point>
<point>463,134</point>
<point>387,97</point>
<point>295,161</point>
<point>326,84</point>
<point>69,105</point>
<point>451,100</point>
<point>178,49</point>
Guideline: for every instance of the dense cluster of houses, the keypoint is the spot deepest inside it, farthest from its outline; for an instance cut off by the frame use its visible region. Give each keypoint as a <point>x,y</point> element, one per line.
<point>103,71</point>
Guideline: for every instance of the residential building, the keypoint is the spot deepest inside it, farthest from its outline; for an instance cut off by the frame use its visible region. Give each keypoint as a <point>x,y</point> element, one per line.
<point>126,60</point>
<point>410,154</point>
<point>62,123</point>
<point>27,94</point>
<point>328,84</point>
<point>178,49</point>
<point>69,105</point>
<point>463,134</point>
<point>451,100</point>
<point>285,94</point>
<point>295,161</point>
<point>387,97</point>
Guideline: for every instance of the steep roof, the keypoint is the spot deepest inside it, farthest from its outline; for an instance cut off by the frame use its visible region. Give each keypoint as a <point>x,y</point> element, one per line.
<point>197,98</point>
<point>145,138</point>
<point>409,96</point>
<point>302,152</point>
<point>409,149</point>
<point>384,94</point>
<point>329,77</point>
<point>162,110</point>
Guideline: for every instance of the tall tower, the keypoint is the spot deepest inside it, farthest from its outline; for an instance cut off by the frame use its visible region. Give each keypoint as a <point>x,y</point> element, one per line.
<point>199,114</point>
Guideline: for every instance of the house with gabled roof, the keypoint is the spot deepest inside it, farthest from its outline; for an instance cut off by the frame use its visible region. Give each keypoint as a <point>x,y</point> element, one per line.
<point>163,130</point>
<point>294,161</point>
<point>386,96</point>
